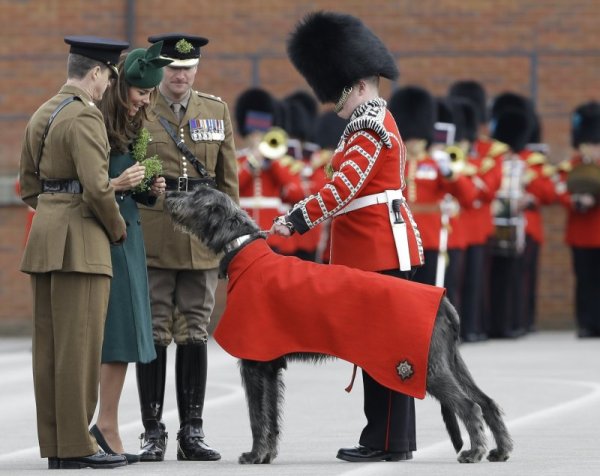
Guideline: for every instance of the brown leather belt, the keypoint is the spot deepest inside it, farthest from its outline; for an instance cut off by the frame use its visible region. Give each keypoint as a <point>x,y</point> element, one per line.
<point>61,186</point>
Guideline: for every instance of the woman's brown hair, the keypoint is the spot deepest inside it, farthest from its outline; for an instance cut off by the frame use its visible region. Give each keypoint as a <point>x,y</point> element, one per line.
<point>121,128</point>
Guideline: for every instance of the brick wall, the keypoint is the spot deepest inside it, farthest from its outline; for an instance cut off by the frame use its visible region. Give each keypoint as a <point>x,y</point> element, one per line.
<point>547,49</point>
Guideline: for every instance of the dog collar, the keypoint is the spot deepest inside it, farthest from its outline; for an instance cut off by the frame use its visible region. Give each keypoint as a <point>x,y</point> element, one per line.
<point>239,241</point>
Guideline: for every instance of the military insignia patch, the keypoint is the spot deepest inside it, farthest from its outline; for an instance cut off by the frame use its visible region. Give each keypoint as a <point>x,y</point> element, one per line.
<point>405,370</point>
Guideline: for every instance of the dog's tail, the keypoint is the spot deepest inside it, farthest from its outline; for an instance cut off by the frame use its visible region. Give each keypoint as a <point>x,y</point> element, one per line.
<point>452,427</point>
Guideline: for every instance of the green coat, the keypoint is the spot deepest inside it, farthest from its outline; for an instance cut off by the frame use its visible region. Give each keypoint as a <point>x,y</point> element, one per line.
<point>128,328</point>
<point>70,232</point>
<point>166,247</point>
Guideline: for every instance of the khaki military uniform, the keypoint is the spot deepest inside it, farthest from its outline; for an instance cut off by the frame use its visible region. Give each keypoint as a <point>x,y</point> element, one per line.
<point>181,270</point>
<point>68,257</point>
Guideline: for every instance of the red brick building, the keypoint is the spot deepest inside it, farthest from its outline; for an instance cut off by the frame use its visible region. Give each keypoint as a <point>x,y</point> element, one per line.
<point>546,49</point>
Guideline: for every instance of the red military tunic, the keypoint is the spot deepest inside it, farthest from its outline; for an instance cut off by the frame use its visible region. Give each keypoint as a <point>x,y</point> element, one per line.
<point>540,189</point>
<point>583,228</point>
<point>278,305</point>
<point>426,189</point>
<point>369,160</point>
<point>478,220</point>
<point>265,192</point>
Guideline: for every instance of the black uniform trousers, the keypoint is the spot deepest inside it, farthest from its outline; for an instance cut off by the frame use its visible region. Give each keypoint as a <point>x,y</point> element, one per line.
<point>390,415</point>
<point>472,326</point>
<point>586,264</point>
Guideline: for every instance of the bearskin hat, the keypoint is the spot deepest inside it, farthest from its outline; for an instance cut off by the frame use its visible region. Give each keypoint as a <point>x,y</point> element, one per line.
<point>536,129</point>
<point>473,91</point>
<point>255,110</point>
<point>334,50</point>
<point>307,101</point>
<point>414,110</point>
<point>510,100</point>
<point>466,114</point>
<point>585,124</point>
<point>513,127</point>
<point>329,129</point>
<point>298,123</point>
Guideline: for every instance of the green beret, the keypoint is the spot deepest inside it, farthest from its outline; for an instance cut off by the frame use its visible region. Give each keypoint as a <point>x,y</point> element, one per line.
<point>143,68</point>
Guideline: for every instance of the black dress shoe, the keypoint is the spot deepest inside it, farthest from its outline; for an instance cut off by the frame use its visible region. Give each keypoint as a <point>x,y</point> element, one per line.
<point>153,444</point>
<point>53,462</point>
<point>97,460</point>
<point>96,433</point>
<point>362,454</point>
<point>191,446</point>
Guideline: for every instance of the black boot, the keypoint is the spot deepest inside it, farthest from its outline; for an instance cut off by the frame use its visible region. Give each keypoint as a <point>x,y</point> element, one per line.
<point>190,372</point>
<point>151,389</point>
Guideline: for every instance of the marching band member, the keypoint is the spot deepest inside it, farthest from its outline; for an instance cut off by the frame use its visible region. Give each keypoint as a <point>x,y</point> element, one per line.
<point>266,178</point>
<point>486,157</point>
<point>429,177</point>
<point>579,192</point>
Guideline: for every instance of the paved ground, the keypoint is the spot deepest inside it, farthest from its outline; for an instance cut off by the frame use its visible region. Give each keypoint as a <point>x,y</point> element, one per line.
<point>548,385</point>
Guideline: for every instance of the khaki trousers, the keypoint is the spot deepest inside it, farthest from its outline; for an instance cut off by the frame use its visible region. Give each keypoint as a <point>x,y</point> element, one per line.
<point>192,293</point>
<point>69,310</point>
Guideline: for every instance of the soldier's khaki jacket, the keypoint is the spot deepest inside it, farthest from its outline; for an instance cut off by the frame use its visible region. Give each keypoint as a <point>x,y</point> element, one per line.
<point>70,232</point>
<point>166,247</point>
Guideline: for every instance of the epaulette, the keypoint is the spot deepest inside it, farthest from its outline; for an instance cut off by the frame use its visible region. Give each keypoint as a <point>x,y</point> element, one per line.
<point>565,166</point>
<point>548,170</point>
<point>209,96</point>
<point>296,167</point>
<point>497,148</point>
<point>536,159</point>
<point>286,160</point>
<point>469,170</point>
<point>293,165</point>
<point>487,164</point>
<point>371,116</point>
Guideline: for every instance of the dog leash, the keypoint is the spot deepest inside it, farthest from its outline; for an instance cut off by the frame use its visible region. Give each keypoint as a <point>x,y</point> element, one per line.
<point>351,384</point>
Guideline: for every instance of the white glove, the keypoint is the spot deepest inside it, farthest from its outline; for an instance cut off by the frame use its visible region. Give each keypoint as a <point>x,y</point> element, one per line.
<point>443,161</point>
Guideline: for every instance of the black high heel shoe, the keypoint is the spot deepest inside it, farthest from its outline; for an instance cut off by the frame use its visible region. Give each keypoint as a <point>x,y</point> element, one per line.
<point>96,433</point>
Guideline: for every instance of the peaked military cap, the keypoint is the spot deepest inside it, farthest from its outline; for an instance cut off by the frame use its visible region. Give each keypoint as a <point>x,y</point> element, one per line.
<point>182,48</point>
<point>104,50</point>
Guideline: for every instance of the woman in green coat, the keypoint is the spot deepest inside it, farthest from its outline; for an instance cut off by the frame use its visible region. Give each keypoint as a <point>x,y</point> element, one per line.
<point>128,327</point>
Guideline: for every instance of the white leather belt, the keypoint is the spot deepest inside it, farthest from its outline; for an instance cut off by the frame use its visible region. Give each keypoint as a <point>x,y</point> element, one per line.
<point>393,198</point>
<point>260,202</point>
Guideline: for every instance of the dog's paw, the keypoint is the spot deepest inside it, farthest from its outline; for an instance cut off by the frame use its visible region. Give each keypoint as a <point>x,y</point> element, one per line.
<point>471,456</point>
<point>497,455</point>
<point>254,458</point>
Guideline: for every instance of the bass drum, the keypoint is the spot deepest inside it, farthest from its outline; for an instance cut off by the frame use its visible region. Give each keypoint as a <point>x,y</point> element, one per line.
<point>584,178</point>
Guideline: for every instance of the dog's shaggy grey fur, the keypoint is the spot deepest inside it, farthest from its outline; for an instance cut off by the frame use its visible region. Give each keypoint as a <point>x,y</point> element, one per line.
<point>214,218</point>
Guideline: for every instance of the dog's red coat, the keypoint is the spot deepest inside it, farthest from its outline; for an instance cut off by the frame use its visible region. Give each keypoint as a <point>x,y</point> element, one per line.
<point>278,305</point>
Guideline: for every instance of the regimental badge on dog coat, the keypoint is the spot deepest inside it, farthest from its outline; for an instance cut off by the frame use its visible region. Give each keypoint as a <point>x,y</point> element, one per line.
<point>277,305</point>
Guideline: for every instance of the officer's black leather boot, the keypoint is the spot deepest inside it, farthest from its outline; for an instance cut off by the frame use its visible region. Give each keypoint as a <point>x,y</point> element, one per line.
<point>151,389</point>
<point>190,372</point>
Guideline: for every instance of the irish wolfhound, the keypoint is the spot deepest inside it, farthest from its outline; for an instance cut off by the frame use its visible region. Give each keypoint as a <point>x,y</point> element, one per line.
<point>214,218</point>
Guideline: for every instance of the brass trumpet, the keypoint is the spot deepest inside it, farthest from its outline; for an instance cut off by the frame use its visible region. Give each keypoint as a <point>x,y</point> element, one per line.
<point>274,144</point>
<point>456,153</point>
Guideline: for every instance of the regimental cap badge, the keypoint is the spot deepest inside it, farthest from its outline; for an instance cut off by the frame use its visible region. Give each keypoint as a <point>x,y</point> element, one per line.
<point>184,46</point>
<point>405,370</point>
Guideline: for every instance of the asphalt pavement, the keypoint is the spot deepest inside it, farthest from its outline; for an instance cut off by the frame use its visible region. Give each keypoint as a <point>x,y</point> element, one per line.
<point>548,384</point>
